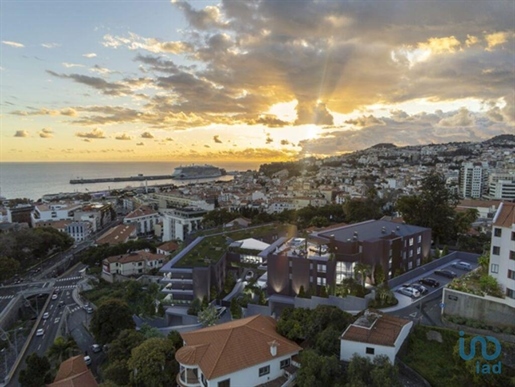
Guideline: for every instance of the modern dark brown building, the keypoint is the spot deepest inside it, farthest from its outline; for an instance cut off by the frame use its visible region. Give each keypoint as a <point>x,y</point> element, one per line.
<point>330,255</point>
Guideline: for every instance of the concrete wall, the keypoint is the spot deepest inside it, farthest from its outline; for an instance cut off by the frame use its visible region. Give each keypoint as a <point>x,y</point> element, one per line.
<point>455,255</point>
<point>349,303</point>
<point>487,309</point>
<point>349,348</point>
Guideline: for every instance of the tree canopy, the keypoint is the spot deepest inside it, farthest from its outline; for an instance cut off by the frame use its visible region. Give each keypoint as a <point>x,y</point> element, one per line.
<point>111,317</point>
<point>318,370</point>
<point>37,372</point>
<point>121,347</point>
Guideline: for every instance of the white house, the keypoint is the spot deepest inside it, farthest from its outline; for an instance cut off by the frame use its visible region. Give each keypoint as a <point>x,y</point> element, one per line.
<point>178,223</point>
<point>135,263</point>
<point>247,352</point>
<point>502,253</point>
<point>79,230</point>
<point>374,334</point>
<point>145,218</point>
<point>167,248</point>
<point>54,211</point>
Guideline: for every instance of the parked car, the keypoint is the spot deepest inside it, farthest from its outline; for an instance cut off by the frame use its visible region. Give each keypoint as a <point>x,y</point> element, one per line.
<point>96,348</point>
<point>429,282</point>
<point>420,288</point>
<point>446,273</point>
<point>462,265</point>
<point>89,310</point>
<point>410,292</point>
<point>46,315</point>
<point>54,296</point>
<point>40,332</point>
<point>87,360</point>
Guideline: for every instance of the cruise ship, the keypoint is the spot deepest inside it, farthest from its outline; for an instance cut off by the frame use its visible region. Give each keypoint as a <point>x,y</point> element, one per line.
<point>191,172</point>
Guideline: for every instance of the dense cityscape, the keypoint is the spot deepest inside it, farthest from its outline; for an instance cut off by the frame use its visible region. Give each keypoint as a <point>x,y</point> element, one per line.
<point>257,193</point>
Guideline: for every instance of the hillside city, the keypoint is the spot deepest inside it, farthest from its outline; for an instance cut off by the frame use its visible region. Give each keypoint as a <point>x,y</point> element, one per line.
<point>381,267</point>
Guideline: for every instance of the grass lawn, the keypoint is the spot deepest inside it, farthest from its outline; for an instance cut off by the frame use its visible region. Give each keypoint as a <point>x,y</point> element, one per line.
<point>104,291</point>
<point>434,360</point>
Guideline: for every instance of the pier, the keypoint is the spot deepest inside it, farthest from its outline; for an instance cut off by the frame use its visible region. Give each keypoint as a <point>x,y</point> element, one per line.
<point>120,179</point>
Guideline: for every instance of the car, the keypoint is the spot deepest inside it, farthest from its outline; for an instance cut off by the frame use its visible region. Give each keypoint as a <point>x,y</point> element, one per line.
<point>446,273</point>
<point>462,265</point>
<point>96,348</point>
<point>429,282</point>
<point>54,296</point>
<point>410,292</point>
<point>40,332</point>
<point>420,288</point>
<point>89,310</point>
<point>87,360</point>
<point>46,315</point>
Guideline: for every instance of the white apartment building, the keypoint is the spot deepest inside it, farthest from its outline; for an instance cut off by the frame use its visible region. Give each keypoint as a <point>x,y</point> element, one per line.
<point>79,230</point>
<point>501,186</point>
<point>54,211</point>
<point>502,253</point>
<point>178,223</point>
<point>145,218</point>
<point>473,180</point>
<point>135,263</point>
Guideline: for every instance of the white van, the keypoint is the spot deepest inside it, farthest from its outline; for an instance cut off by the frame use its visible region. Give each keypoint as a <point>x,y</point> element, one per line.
<point>462,265</point>
<point>410,292</point>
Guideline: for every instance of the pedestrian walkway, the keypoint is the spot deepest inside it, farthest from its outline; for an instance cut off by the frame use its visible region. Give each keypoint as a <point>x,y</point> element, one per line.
<point>6,297</point>
<point>68,279</point>
<point>65,287</point>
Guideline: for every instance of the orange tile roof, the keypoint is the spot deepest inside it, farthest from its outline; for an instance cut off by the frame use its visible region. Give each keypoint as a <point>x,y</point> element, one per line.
<point>384,331</point>
<point>74,372</point>
<point>169,246</point>
<point>505,216</point>
<point>118,234</point>
<point>226,348</point>
<point>141,211</point>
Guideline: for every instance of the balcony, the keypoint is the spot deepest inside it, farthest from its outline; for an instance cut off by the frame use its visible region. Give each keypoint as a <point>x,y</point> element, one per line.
<point>188,378</point>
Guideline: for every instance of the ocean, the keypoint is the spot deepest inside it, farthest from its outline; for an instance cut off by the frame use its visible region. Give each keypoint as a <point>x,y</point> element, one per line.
<point>33,180</point>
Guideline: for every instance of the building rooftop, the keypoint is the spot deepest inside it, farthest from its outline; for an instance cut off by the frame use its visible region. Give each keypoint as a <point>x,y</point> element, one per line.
<point>141,211</point>
<point>505,216</point>
<point>375,328</point>
<point>74,373</point>
<point>118,234</point>
<point>218,350</point>
<point>136,256</point>
<point>371,229</point>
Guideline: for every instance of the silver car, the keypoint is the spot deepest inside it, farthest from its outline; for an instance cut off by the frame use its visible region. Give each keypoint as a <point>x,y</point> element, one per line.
<point>410,292</point>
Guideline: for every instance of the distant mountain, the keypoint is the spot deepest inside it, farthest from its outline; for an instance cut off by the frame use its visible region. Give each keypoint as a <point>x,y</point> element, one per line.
<point>383,145</point>
<point>500,139</point>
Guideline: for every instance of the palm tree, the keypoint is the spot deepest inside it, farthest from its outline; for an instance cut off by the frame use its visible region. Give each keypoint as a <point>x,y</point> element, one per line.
<point>62,349</point>
<point>363,270</point>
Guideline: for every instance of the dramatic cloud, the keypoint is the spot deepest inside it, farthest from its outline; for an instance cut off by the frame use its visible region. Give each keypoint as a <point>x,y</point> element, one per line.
<point>217,139</point>
<point>108,88</point>
<point>365,121</point>
<point>21,133</point>
<point>95,133</point>
<point>46,133</point>
<point>124,137</point>
<point>135,42</point>
<point>461,118</point>
<point>50,45</point>
<point>147,135</point>
<point>100,70</point>
<point>13,44</point>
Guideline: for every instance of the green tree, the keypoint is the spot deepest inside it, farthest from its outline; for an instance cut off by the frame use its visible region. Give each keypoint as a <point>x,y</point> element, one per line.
<point>61,349</point>
<point>379,276</point>
<point>37,372</point>
<point>8,268</point>
<point>149,331</point>
<point>328,342</point>
<point>323,292</point>
<point>208,316</point>
<point>121,347</point>
<point>445,251</point>
<point>433,208</point>
<point>118,372</point>
<point>317,370</point>
<point>195,307</point>
<point>153,363</point>
<point>218,217</point>
<point>302,292</point>
<point>484,262</point>
<point>235,309</point>
<point>111,317</point>
<point>363,270</point>
<point>319,221</point>
<point>176,339</point>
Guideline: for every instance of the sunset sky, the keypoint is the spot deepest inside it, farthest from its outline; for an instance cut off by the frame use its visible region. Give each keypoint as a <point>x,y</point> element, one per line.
<point>249,80</point>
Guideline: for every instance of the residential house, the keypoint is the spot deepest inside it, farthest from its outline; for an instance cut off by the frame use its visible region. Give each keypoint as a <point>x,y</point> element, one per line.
<point>502,251</point>
<point>374,334</point>
<point>145,219</point>
<point>54,211</point>
<point>247,352</point>
<point>74,372</point>
<point>167,248</point>
<point>134,263</point>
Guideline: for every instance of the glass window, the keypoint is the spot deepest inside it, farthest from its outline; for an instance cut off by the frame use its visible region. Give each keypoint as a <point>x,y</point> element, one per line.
<point>512,255</point>
<point>321,268</point>
<point>494,268</point>
<point>264,370</point>
<point>496,250</point>
<point>285,363</point>
<point>497,232</point>
<point>511,274</point>
<point>225,383</point>
<point>370,351</point>
<point>510,293</point>
<point>411,241</point>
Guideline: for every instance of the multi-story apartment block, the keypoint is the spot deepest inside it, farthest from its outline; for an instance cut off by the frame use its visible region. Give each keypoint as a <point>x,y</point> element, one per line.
<point>144,217</point>
<point>501,186</point>
<point>135,263</point>
<point>334,252</point>
<point>502,253</point>
<point>54,211</point>
<point>78,230</point>
<point>473,180</point>
<point>178,223</point>
<point>98,214</point>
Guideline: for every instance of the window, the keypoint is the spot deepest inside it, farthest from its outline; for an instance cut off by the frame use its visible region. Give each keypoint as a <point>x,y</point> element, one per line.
<point>321,268</point>
<point>511,274</point>
<point>321,281</point>
<point>510,293</point>
<point>264,371</point>
<point>494,268</point>
<point>419,250</point>
<point>285,363</point>
<point>418,261</point>
<point>290,276</point>
<point>225,383</point>
<point>410,265</point>
<point>411,241</point>
<point>513,235</point>
<point>411,253</point>
<point>419,239</point>
<point>497,232</point>
<point>496,250</point>
<point>370,351</point>
<point>512,255</point>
